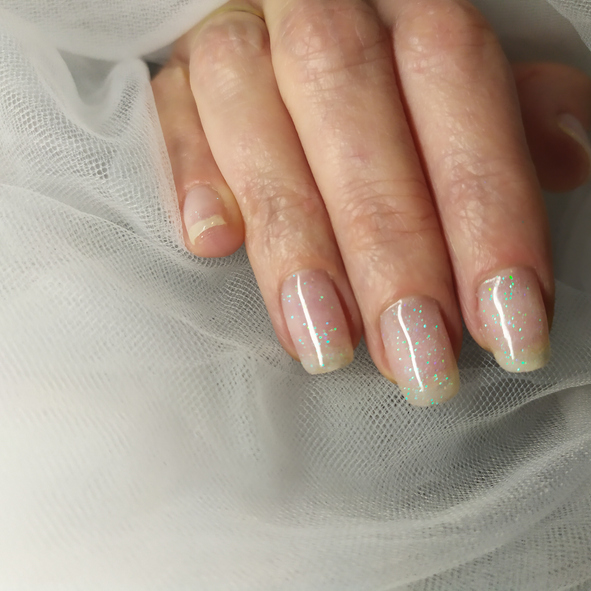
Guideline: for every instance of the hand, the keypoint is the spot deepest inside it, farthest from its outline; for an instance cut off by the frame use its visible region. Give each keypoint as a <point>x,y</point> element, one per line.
<point>373,155</point>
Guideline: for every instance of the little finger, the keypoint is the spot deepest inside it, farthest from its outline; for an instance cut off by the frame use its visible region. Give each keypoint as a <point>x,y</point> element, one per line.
<point>212,222</point>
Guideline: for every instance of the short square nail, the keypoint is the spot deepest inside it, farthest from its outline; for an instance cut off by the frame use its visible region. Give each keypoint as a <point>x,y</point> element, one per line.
<point>513,320</point>
<point>203,209</point>
<point>316,321</point>
<point>419,351</point>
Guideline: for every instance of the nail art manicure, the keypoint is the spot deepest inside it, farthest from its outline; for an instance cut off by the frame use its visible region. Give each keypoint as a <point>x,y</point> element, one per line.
<point>419,351</point>
<point>203,209</point>
<point>316,321</point>
<point>513,320</point>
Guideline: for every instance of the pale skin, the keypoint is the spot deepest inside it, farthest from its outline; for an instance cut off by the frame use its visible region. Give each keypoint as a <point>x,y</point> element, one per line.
<point>381,144</point>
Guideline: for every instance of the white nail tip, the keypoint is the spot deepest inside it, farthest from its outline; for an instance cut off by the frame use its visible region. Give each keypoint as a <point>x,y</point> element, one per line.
<point>201,226</point>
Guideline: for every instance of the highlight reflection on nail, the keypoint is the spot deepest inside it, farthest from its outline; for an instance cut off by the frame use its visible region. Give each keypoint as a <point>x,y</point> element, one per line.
<point>513,320</point>
<point>419,351</point>
<point>316,321</point>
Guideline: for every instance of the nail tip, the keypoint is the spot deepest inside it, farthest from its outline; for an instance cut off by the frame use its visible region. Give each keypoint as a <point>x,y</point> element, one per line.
<point>199,228</point>
<point>443,394</point>
<point>202,210</point>
<point>532,362</point>
<point>427,403</point>
<point>331,366</point>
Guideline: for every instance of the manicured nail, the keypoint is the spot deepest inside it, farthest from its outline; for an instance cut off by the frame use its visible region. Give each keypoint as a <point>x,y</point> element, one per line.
<point>203,209</point>
<point>419,351</point>
<point>316,321</point>
<point>574,129</point>
<point>513,320</point>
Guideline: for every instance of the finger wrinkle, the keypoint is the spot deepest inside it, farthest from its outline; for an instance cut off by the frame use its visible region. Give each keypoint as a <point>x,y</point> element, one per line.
<point>377,224</point>
<point>324,38</point>
<point>443,36</point>
<point>237,39</point>
<point>483,179</point>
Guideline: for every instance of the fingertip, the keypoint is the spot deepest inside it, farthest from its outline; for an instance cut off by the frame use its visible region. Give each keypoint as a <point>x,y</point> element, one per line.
<point>212,224</point>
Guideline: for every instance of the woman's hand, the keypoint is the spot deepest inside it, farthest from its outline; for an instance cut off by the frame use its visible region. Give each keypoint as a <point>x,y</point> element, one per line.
<point>374,156</point>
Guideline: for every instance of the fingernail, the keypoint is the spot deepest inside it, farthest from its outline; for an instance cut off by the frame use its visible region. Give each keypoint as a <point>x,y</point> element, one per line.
<point>574,129</point>
<point>316,321</point>
<point>419,351</point>
<point>513,320</point>
<point>203,209</point>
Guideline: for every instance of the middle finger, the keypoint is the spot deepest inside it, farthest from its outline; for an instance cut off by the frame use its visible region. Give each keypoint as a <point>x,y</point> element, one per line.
<point>334,67</point>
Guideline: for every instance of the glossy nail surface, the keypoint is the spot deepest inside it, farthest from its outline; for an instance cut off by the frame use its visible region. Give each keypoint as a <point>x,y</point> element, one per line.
<point>203,209</point>
<point>419,351</point>
<point>513,320</point>
<point>316,321</point>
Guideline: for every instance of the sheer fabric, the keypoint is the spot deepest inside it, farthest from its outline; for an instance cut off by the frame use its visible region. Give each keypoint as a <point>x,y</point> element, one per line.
<point>153,433</point>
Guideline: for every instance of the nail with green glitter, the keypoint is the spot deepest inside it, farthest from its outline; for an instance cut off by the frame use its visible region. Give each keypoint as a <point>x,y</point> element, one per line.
<point>419,351</point>
<point>316,321</point>
<point>513,320</point>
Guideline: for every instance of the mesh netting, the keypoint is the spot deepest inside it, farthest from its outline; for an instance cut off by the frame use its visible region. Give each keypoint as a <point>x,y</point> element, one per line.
<point>153,433</point>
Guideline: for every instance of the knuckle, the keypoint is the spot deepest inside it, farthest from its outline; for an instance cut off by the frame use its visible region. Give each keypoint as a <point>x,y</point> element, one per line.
<point>278,212</point>
<point>437,35</point>
<point>226,43</point>
<point>329,37</point>
<point>375,216</point>
<point>476,188</point>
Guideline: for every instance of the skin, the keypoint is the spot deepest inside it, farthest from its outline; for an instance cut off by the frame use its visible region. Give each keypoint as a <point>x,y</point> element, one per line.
<point>384,142</point>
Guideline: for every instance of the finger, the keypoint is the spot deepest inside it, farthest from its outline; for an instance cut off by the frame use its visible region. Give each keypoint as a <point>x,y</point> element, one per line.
<point>212,223</point>
<point>288,234</point>
<point>334,67</point>
<point>460,96</point>
<point>556,110</point>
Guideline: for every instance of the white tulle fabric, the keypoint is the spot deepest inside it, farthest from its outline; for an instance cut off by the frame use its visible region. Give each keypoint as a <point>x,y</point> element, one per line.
<point>154,435</point>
